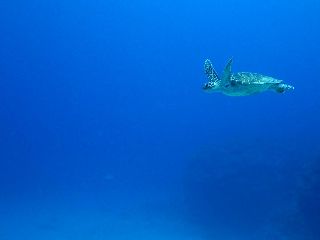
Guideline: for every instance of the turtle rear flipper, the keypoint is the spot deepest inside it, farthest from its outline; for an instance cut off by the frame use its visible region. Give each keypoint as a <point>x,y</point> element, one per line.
<point>210,72</point>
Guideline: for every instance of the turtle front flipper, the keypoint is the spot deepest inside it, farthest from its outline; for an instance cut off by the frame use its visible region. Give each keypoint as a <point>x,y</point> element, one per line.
<point>210,72</point>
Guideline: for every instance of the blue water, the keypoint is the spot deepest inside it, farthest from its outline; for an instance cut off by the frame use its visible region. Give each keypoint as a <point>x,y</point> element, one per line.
<point>105,132</point>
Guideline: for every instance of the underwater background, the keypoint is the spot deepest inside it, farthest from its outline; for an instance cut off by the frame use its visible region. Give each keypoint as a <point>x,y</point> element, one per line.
<point>105,132</point>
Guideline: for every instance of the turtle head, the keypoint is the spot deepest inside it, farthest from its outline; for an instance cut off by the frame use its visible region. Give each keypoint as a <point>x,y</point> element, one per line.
<point>211,86</point>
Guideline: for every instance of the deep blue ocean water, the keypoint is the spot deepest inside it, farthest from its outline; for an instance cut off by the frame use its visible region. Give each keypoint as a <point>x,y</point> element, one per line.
<point>105,132</point>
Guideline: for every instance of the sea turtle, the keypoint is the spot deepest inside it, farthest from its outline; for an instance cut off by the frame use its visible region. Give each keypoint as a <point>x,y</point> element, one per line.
<point>241,83</point>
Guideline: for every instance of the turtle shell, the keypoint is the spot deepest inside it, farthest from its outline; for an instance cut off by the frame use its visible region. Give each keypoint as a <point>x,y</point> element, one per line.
<point>246,83</point>
<point>253,79</point>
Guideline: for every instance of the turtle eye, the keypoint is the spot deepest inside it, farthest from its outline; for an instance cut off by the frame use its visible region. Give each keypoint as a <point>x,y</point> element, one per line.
<point>208,85</point>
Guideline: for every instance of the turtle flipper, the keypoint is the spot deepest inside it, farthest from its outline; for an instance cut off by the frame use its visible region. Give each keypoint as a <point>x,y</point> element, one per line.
<point>210,72</point>
<point>227,72</point>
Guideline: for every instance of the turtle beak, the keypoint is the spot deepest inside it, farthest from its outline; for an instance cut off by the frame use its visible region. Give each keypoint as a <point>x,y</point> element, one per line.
<point>205,86</point>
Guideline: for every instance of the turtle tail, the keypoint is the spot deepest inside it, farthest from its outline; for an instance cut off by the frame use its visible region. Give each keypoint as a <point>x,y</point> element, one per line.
<point>282,87</point>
